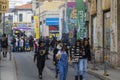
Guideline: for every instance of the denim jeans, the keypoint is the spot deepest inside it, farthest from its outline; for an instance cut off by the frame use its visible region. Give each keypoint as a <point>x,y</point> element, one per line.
<point>63,72</point>
<point>76,69</point>
<point>83,67</point>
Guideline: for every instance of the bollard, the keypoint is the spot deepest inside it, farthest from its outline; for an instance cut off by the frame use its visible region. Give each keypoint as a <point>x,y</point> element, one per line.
<point>105,63</point>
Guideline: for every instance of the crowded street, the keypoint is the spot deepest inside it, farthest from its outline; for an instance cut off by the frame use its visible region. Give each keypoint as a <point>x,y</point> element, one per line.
<point>26,68</point>
<point>59,40</point>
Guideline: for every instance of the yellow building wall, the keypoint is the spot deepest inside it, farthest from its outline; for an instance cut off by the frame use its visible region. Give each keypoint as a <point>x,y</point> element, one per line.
<point>51,6</point>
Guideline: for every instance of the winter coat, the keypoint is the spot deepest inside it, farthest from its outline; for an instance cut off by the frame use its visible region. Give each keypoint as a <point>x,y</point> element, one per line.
<point>4,42</point>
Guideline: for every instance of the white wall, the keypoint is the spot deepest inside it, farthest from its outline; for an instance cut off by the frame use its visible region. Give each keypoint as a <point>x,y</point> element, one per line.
<point>61,19</point>
<point>26,16</point>
<point>49,14</point>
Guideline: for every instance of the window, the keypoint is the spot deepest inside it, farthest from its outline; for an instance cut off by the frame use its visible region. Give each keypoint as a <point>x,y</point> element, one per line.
<point>32,19</point>
<point>20,17</point>
<point>37,4</point>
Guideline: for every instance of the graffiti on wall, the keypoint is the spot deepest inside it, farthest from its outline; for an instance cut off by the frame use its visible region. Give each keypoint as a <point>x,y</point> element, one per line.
<point>113,38</point>
<point>81,25</point>
<point>95,42</point>
<point>107,24</point>
<point>99,36</point>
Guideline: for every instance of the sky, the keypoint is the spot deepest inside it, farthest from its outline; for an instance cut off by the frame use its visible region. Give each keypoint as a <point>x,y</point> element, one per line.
<point>13,3</point>
<point>26,0</point>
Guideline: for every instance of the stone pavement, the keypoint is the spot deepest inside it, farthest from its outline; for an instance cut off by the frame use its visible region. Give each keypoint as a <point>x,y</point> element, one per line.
<point>113,74</point>
<point>7,68</point>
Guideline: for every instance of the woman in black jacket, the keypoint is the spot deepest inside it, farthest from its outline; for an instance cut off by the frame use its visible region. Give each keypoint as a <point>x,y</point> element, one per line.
<point>4,45</point>
<point>76,52</point>
<point>86,56</point>
<point>40,57</point>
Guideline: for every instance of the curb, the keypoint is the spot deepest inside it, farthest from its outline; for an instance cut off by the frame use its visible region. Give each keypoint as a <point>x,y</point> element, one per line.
<point>14,67</point>
<point>98,75</point>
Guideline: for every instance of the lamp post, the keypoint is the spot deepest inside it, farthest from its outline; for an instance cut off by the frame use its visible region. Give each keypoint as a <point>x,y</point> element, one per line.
<point>10,18</point>
<point>3,22</point>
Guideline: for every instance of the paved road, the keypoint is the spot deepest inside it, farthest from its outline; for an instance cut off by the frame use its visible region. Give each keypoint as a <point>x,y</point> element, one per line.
<point>26,69</point>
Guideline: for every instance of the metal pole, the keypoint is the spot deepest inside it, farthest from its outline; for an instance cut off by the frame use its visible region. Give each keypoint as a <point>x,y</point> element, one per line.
<point>3,22</point>
<point>105,63</point>
<point>39,18</point>
<point>94,60</point>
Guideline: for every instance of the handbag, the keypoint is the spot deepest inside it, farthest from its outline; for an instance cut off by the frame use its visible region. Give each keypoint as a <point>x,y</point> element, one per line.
<point>75,60</point>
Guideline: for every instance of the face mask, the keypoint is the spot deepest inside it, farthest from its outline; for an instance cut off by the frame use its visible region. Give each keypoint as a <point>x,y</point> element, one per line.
<point>59,47</point>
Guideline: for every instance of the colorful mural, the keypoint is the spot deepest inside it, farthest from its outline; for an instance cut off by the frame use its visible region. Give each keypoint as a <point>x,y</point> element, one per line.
<point>71,22</point>
<point>75,19</point>
<point>81,10</point>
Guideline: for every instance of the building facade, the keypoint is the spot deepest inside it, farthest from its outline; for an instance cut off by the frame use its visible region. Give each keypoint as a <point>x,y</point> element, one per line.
<point>104,30</point>
<point>23,17</point>
<point>0,17</point>
<point>48,10</point>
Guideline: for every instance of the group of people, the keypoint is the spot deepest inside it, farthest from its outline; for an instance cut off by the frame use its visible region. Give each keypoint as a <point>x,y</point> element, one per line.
<point>22,44</point>
<point>79,54</point>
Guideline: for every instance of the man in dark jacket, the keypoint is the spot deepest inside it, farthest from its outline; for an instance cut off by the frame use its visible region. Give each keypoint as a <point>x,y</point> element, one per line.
<point>31,41</point>
<point>40,57</point>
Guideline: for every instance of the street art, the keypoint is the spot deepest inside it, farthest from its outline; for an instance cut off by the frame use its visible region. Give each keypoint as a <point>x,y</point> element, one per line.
<point>113,37</point>
<point>81,25</point>
<point>75,19</point>
<point>71,22</point>
<point>99,37</point>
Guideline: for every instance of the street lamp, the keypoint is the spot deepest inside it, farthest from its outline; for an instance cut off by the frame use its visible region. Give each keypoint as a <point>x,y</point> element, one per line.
<point>10,19</point>
<point>3,22</point>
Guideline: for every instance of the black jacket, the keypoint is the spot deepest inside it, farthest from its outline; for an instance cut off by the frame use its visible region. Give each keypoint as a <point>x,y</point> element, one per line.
<point>4,43</point>
<point>87,52</point>
<point>54,55</point>
<point>40,56</point>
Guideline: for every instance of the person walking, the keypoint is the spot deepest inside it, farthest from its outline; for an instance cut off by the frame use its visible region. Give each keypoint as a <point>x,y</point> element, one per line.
<point>17,44</point>
<point>55,60</point>
<point>31,43</point>
<point>86,56</point>
<point>13,42</point>
<point>47,46</point>
<point>4,45</point>
<point>35,46</point>
<point>62,63</point>
<point>76,53</point>
<point>21,44</point>
<point>40,58</point>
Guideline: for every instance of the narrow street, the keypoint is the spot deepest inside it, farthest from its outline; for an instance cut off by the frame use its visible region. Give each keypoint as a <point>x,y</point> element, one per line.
<point>26,68</point>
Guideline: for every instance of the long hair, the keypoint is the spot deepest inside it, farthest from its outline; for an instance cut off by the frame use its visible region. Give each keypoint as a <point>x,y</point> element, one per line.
<point>86,39</point>
<point>64,48</point>
<point>80,45</point>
